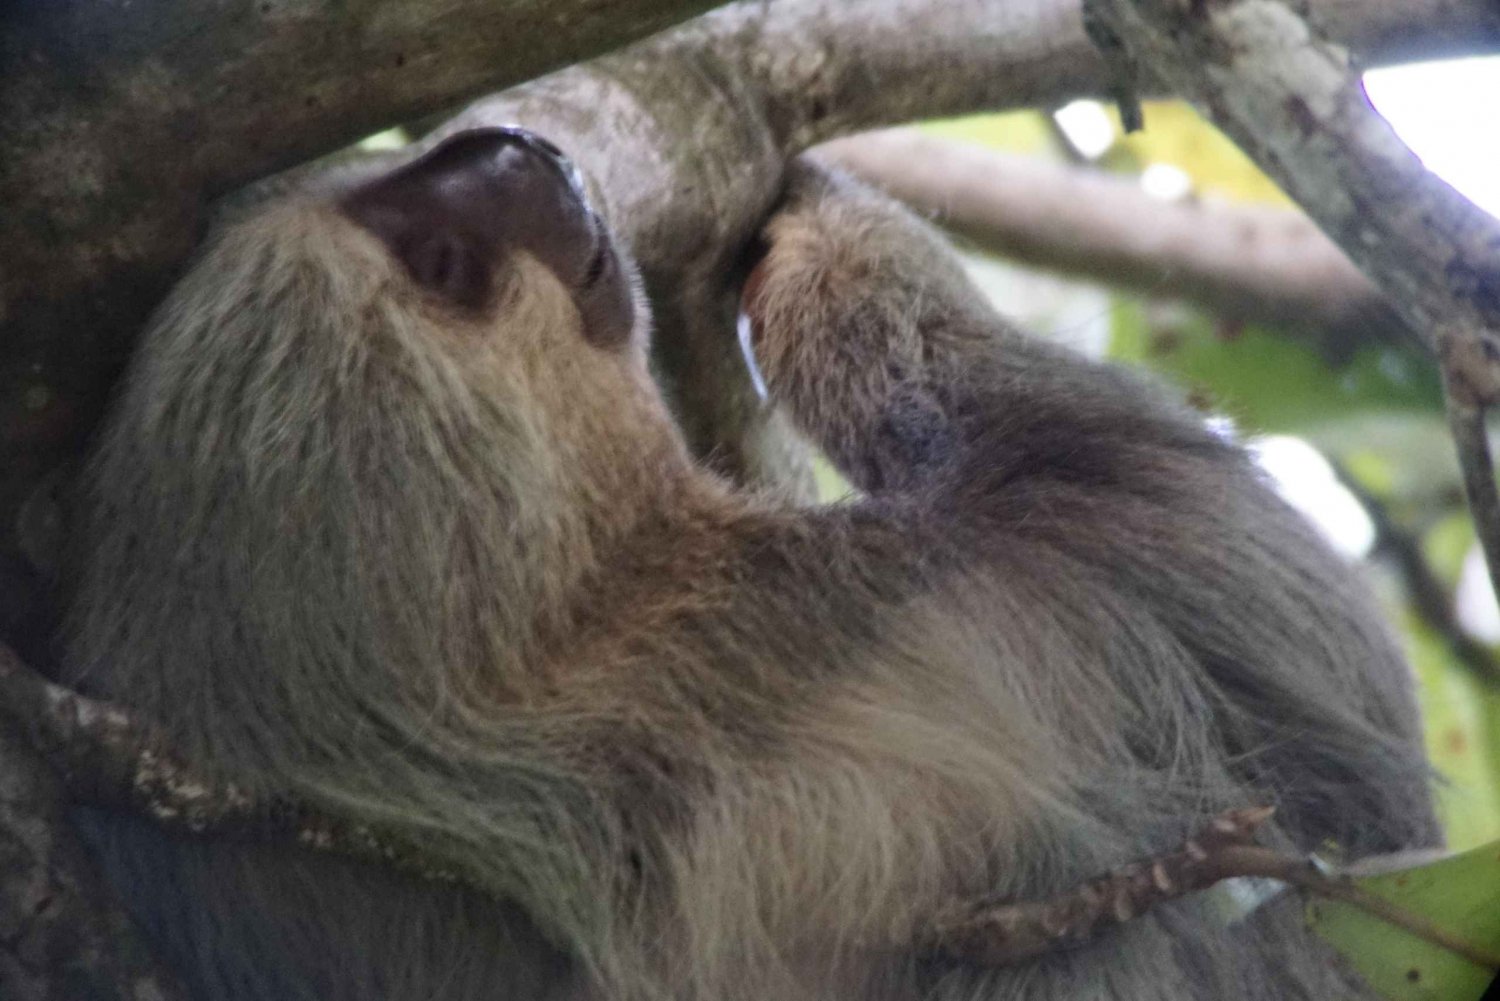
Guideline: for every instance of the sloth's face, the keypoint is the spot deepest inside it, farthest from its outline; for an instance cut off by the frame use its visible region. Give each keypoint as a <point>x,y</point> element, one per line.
<point>463,218</point>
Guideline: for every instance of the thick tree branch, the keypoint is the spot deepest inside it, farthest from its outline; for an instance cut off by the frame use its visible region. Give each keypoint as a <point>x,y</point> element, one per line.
<point>842,67</point>
<point>1293,102</point>
<point>1248,263</point>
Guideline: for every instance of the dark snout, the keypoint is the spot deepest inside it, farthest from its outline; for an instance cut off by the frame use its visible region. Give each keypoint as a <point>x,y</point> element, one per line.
<point>508,158</point>
<point>454,215</point>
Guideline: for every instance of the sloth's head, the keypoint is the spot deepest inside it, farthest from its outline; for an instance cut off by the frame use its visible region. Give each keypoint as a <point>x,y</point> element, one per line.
<point>430,382</point>
<point>494,222</point>
<point>465,320</point>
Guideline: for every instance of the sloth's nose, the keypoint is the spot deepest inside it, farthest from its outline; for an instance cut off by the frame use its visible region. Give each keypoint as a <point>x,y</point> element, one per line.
<point>507,182</point>
<point>453,214</point>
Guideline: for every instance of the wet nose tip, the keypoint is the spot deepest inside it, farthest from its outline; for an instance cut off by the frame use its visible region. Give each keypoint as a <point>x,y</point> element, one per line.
<point>447,214</point>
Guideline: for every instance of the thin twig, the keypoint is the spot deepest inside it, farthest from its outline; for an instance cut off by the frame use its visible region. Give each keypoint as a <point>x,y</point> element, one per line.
<point>1124,76</point>
<point>1471,438</point>
<point>1430,597</point>
<point>1005,934</point>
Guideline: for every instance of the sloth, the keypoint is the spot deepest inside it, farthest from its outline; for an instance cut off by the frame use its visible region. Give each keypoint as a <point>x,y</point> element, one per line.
<point>390,515</point>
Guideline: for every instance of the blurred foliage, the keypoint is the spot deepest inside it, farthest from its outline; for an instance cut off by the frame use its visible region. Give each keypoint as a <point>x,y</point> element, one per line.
<point>1265,381</point>
<point>1176,134</point>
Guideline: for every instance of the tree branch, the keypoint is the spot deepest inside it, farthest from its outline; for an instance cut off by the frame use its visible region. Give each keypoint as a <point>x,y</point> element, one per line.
<point>846,68</point>
<point>1248,263</point>
<point>1296,106</point>
<point>1471,438</point>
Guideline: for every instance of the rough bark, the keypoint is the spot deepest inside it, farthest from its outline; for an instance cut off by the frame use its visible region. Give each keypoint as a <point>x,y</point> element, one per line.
<point>1245,262</point>
<point>62,936</point>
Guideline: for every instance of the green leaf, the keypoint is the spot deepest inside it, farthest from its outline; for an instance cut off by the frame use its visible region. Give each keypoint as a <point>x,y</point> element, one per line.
<point>1461,894</point>
<point>1459,714</point>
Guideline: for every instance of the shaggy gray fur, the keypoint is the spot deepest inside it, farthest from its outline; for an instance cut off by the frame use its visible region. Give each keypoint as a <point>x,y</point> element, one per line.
<point>457,575</point>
